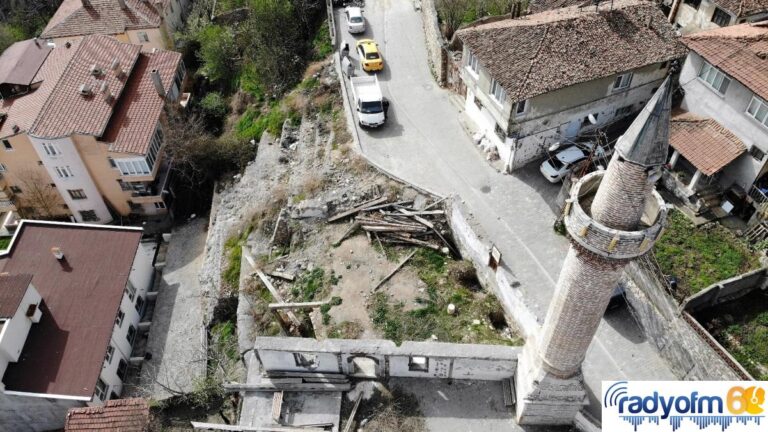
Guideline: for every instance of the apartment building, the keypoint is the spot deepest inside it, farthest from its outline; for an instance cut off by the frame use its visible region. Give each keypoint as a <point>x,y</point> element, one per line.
<point>691,16</point>
<point>150,24</point>
<point>71,301</point>
<point>81,128</point>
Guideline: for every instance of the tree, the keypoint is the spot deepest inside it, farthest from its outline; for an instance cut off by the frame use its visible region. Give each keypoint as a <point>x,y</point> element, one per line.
<point>38,199</point>
<point>214,110</point>
<point>218,53</point>
<point>452,13</point>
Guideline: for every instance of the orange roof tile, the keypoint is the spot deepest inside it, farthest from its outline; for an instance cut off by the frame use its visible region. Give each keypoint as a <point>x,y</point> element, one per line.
<point>119,415</point>
<point>740,51</point>
<point>73,18</point>
<point>704,142</point>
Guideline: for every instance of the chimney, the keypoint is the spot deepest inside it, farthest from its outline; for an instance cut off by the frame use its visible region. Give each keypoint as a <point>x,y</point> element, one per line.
<point>122,4</point>
<point>157,82</point>
<point>115,66</point>
<point>58,253</point>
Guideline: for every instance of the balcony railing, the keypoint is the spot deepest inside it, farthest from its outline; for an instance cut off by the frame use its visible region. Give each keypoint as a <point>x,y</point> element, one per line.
<point>758,196</point>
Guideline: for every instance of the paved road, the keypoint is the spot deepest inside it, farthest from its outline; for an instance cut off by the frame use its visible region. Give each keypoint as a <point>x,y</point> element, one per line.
<point>425,144</point>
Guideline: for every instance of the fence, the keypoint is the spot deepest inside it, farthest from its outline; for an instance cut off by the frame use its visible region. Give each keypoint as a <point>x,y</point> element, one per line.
<point>331,21</point>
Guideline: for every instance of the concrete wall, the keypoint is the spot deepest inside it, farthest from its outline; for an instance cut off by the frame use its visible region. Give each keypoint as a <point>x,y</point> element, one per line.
<point>688,352</point>
<point>15,331</point>
<point>727,290</point>
<point>31,414</point>
<point>730,111</point>
<point>385,359</point>
<point>692,20</point>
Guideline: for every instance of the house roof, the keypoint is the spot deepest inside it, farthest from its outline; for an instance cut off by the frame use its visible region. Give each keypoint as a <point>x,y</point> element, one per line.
<point>740,51</point>
<point>22,110</point>
<point>73,18</point>
<point>64,352</point>
<point>20,62</point>
<point>539,53</point>
<point>133,123</point>
<point>704,142</point>
<point>67,111</point>
<point>12,290</point>
<point>121,415</point>
<point>537,6</point>
<point>744,8</point>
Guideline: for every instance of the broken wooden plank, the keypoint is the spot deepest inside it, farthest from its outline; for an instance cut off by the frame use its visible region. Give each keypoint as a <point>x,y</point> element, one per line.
<point>383,206</point>
<point>292,374</point>
<point>392,273</point>
<point>347,233</point>
<point>357,209</point>
<point>380,228</point>
<point>419,219</point>
<point>351,419</point>
<point>281,380</point>
<point>434,203</point>
<point>416,242</point>
<point>303,305</point>
<point>238,428</point>
<point>285,276</point>
<point>419,213</point>
<point>277,296</point>
<point>296,387</point>
<point>277,406</point>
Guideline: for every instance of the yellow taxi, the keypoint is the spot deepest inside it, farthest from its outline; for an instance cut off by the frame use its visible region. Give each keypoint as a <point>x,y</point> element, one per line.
<point>370,57</point>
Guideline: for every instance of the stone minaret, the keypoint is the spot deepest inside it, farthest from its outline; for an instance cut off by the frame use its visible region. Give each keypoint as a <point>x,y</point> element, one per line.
<point>611,218</point>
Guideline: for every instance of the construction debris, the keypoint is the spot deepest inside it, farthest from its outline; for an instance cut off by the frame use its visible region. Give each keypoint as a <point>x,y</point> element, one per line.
<point>392,273</point>
<point>276,428</point>
<point>304,305</point>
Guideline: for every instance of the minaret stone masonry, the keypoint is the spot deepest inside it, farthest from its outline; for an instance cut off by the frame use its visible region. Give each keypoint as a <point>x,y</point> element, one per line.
<point>611,217</point>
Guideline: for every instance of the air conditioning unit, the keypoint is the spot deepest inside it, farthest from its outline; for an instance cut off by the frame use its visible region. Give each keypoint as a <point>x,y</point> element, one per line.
<point>95,70</point>
<point>85,90</point>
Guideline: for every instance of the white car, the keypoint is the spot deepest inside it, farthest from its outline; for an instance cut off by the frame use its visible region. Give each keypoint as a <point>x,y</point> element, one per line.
<point>560,163</point>
<point>355,20</point>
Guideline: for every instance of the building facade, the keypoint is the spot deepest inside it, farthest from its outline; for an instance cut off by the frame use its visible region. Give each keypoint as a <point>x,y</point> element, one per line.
<point>83,137</point>
<point>572,80</point>
<point>85,291</point>
<point>691,16</point>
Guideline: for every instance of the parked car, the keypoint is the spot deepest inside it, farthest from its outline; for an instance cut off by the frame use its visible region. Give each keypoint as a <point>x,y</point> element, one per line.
<point>561,161</point>
<point>355,20</point>
<point>370,105</point>
<point>370,57</point>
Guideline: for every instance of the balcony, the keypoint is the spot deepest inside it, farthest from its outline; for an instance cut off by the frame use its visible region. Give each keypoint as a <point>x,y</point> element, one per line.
<point>153,192</point>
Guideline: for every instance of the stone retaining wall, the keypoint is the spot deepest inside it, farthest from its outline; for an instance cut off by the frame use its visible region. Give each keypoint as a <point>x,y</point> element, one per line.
<point>437,57</point>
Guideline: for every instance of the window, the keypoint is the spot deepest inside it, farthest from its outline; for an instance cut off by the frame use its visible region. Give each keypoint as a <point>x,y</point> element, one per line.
<point>622,81</point>
<point>472,63</point>
<point>64,172</point>
<point>143,37</point>
<point>122,369</point>
<point>16,189</point>
<point>693,3</point>
<point>308,361</point>
<point>521,107</point>
<point>498,93</point>
<point>110,353</point>
<point>130,290</point>
<point>663,65</point>
<point>119,318</point>
<point>715,78</point>
<point>758,110</point>
<point>77,194</point>
<point>133,167</point>
<point>625,110</point>
<point>101,390</point>
<point>154,147</point>
<point>7,145</point>
<point>721,17</point>
<point>131,335</point>
<point>418,364</point>
<point>139,304</point>
<point>89,216</point>
<point>51,150</point>
<point>111,162</point>
<point>757,153</point>
<point>159,205</point>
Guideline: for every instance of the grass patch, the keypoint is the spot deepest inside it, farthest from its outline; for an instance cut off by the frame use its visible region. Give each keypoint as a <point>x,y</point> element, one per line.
<point>253,124</point>
<point>326,309</point>
<point>701,256</point>
<point>345,330</point>
<point>310,285</point>
<point>233,249</point>
<point>748,343</point>
<point>443,288</point>
<point>259,300</point>
<point>5,242</point>
<point>321,44</point>
<point>224,338</point>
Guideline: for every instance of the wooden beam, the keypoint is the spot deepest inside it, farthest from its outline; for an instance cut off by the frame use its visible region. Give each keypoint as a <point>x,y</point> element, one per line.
<point>237,428</point>
<point>292,374</point>
<point>419,219</point>
<point>357,209</point>
<point>351,419</point>
<point>285,276</point>
<point>297,387</point>
<point>277,296</point>
<point>305,305</point>
<point>355,226</point>
<point>392,273</point>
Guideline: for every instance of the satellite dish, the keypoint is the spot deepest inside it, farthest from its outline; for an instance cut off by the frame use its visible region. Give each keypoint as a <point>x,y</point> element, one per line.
<point>592,119</point>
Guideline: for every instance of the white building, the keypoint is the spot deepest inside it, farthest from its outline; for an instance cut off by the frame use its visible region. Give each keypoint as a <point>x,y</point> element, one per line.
<point>725,81</point>
<point>71,302</point>
<point>537,80</point>
<point>691,16</point>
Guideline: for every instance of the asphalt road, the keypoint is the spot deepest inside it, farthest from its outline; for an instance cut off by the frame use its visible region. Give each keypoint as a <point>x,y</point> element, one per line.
<point>425,144</point>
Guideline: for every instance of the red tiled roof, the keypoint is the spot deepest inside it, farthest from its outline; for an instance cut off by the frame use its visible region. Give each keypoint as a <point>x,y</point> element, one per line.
<point>66,111</point>
<point>23,110</point>
<point>64,352</point>
<point>539,53</point>
<point>137,113</point>
<point>119,415</point>
<point>100,17</point>
<point>704,142</point>
<point>12,290</point>
<point>741,51</point>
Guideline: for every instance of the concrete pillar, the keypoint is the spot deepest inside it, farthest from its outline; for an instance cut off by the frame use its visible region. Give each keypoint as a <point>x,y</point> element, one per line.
<point>694,180</point>
<point>673,159</point>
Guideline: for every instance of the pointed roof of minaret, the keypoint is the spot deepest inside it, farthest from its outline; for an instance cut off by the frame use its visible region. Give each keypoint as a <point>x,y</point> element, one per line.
<point>647,139</point>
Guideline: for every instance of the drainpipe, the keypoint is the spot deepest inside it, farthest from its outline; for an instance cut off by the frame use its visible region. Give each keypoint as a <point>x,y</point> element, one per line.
<point>673,11</point>
<point>673,159</point>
